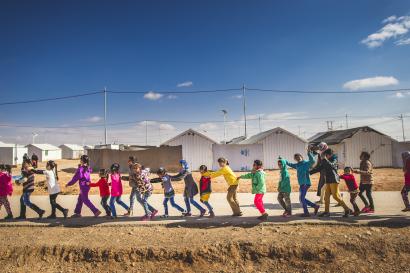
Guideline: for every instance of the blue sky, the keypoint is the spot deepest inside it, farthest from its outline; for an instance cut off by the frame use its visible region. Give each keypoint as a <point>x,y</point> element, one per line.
<point>51,49</point>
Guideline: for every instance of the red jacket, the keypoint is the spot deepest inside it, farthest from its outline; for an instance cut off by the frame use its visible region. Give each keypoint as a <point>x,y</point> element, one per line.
<point>350,181</point>
<point>205,185</point>
<point>103,185</point>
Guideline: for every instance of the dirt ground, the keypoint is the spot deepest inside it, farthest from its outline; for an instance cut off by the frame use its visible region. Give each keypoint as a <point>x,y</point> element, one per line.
<point>386,179</point>
<point>261,248</point>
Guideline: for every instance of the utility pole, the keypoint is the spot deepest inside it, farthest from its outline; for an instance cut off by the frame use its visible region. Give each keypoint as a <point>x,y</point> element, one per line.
<point>347,122</point>
<point>402,126</point>
<point>329,124</point>
<point>146,133</point>
<point>225,113</point>
<point>260,127</point>
<point>244,109</point>
<point>105,115</point>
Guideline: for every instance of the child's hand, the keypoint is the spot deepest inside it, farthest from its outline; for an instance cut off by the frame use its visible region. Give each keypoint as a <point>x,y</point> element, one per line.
<point>238,178</point>
<point>88,183</point>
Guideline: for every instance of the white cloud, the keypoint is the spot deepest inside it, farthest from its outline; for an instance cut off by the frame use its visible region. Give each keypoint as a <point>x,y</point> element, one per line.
<point>405,41</point>
<point>394,28</point>
<point>367,83</point>
<point>208,126</point>
<point>93,119</point>
<point>171,97</point>
<point>151,95</point>
<point>185,84</point>
<point>166,127</point>
<point>237,97</point>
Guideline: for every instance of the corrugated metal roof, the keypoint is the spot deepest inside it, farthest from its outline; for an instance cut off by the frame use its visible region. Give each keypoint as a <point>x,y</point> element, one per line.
<point>335,137</point>
<point>258,137</point>
<point>73,147</point>
<point>44,146</point>
<point>236,140</point>
<point>185,132</point>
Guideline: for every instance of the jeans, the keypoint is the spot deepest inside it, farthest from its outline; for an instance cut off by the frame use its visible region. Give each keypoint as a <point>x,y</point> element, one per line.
<point>25,202</point>
<point>4,201</point>
<point>353,196</point>
<point>284,201</point>
<point>258,202</point>
<point>368,189</point>
<point>405,195</point>
<point>189,201</point>
<point>54,204</point>
<point>333,189</point>
<point>143,200</point>
<point>117,199</point>
<point>232,199</point>
<point>302,198</point>
<point>104,204</point>
<point>175,205</point>
<point>134,194</point>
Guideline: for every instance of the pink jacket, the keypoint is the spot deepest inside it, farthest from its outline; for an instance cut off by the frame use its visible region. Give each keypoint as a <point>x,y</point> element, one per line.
<point>116,185</point>
<point>6,185</point>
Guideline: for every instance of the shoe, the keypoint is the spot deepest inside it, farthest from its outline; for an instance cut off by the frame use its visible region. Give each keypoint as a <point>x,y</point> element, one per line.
<point>40,215</point>
<point>237,214</point>
<point>305,215</point>
<point>164,216</point>
<point>202,213</point>
<point>21,218</point>
<point>186,214</point>
<point>356,213</point>
<point>10,216</point>
<point>324,214</point>
<point>286,215</point>
<point>98,213</point>
<point>370,211</point>
<point>405,209</point>
<point>347,213</point>
<point>365,209</point>
<point>76,215</point>
<point>211,214</point>
<point>146,218</point>
<point>127,213</point>
<point>65,213</point>
<point>317,210</point>
<point>51,217</point>
<point>263,217</point>
<point>155,212</point>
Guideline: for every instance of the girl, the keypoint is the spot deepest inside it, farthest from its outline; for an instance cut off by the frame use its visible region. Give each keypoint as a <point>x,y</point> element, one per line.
<point>6,188</point>
<point>53,188</point>
<point>258,187</point>
<point>230,178</point>
<point>28,188</point>
<point>169,193</point>
<point>302,168</point>
<point>104,188</point>
<point>82,175</point>
<point>351,184</point>
<point>131,182</point>
<point>116,191</point>
<point>205,190</point>
<point>144,188</point>
<point>284,188</point>
<point>406,187</point>
<point>191,188</point>
<point>366,182</point>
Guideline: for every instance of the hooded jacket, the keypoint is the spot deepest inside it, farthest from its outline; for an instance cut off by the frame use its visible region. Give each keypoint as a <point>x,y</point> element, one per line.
<point>284,182</point>
<point>82,175</point>
<point>302,169</point>
<point>258,181</point>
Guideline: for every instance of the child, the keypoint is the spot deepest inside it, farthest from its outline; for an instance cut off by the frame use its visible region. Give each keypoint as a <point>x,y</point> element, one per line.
<point>258,187</point>
<point>104,188</point>
<point>6,188</point>
<point>116,191</point>
<point>169,193</point>
<point>53,188</point>
<point>205,190</point>
<point>132,183</point>
<point>284,188</point>
<point>230,178</point>
<point>302,168</point>
<point>351,184</point>
<point>144,188</point>
<point>366,182</point>
<point>190,190</point>
<point>406,187</point>
<point>82,175</point>
<point>28,188</point>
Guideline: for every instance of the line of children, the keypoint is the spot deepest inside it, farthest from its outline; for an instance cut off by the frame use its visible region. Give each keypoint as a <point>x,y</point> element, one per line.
<point>6,189</point>
<point>104,189</point>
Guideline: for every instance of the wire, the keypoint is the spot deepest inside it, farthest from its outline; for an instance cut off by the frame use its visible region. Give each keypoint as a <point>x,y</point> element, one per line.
<point>51,99</point>
<point>176,92</point>
<point>326,92</point>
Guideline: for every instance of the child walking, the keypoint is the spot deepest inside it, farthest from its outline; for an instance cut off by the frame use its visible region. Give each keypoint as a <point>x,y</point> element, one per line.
<point>302,168</point>
<point>366,182</point>
<point>169,193</point>
<point>6,188</point>
<point>53,188</point>
<point>82,176</point>
<point>258,187</point>
<point>232,182</point>
<point>190,190</point>
<point>116,191</point>
<point>205,190</point>
<point>351,184</point>
<point>28,188</point>
<point>144,188</point>
<point>132,160</point>
<point>104,188</point>
<point>406,187</point>
<point>284,188</point>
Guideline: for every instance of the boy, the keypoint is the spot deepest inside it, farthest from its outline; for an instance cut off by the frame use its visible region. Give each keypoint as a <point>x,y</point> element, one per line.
<point>351,184</point>
<point>366,182</point>
<point>284,188</point>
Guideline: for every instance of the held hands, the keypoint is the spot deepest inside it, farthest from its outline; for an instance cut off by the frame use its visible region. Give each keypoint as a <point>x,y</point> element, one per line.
<point>238,178</point>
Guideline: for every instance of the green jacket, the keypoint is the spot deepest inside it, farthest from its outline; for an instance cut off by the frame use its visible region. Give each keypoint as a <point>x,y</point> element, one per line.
<point>284,182</point>
<point>258,181</point>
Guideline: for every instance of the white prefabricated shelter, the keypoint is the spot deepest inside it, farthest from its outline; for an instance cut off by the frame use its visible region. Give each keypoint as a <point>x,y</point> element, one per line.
<point>71,151</point>
<point>44,152</point>
<point>349,143</point>
<point>277,142</point>
<point>240,156</point>
<point>11,154</point>
<point>196,148</point>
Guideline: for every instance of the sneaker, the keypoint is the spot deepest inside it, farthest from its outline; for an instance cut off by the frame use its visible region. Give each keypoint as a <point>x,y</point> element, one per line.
<point>21,218</point>
<point>356,213</point>
<point>370,211</point>
<point>155,212</point>
<point>65,213</point>
<point>164,216</point>
<point>211,214</point>
<point>405,209</point>
<point>263,217</point>
<point>305,215</point>
<point>286,215</point>
<point>186,214</point>
<point>127,213</point>
<point>76,215</point>
<point>237,214</point>
<point>10,216</point>
<point>324,214</point>
<point>365,209</point>
<point>347,213</point>
<point>317,210</point>
<point>51,217</point>
<point>40,215</point>
<point>97,214</point>
<point>146,218</point>
<point>202,213</point>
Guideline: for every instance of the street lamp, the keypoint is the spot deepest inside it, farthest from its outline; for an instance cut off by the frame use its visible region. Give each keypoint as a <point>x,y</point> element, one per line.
<point>34,135</point>
<point>224,113</point>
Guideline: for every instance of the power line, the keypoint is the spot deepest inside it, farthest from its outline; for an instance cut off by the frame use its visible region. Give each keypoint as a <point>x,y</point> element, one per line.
<point>326,92</point>
<point>175,92</point>
<point>51,99</point>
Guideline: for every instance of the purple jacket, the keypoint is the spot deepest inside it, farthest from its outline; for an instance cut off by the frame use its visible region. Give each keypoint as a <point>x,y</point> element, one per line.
<point>82,175</point>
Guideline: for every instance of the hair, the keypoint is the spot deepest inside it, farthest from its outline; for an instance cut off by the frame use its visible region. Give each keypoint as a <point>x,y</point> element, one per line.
<point>115,168</point>
<point>132,158</point>
<point>161,171</point>
<point>297,154</point>
<point>103,173</point>
<point>203,168</point>
<point>53,166</point>
<point>34,157</point>
<point>85,159</point>
<point>366,155</point>
<point>258,162</point>
<point>328,152</point>
<point>223,160</point>
<point>348,169</point>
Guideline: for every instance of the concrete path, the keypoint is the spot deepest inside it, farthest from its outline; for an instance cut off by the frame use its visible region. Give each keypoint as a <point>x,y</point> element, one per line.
<point>388,212</point>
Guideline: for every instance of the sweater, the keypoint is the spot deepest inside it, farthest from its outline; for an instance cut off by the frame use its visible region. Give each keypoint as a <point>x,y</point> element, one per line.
<point>165,182</point>
<point>205,185</point>
<point>350,181</point>
<point>82,175</point>
<point>142,181</point>
<point>227,173</point>
<point>28,180</point>
<point>6,185</point>
<point>284,182</point>
<point>52,184</point>
<point>191,188</point>
<point>102,184</point>
<point>258,181</point>
<point>116,185</point>
<point>302,169</point>
<point>366,172</point>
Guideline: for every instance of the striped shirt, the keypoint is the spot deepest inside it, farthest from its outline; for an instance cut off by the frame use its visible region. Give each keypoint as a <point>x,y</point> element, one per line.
<point>28,183</point>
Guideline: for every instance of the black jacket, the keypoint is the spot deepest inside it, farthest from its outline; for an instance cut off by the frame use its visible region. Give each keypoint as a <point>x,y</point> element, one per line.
<point>329,169</point>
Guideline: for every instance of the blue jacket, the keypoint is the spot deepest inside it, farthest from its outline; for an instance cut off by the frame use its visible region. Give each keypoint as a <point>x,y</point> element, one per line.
<point>302,169</point>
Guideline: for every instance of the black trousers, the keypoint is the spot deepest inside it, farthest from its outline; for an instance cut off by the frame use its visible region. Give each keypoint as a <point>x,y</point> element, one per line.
<point>104,204</point>
<point>54,204</point>
<point>368,189</point>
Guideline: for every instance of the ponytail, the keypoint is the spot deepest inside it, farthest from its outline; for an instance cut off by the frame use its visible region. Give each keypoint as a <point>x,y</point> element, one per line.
<point>56,171</point>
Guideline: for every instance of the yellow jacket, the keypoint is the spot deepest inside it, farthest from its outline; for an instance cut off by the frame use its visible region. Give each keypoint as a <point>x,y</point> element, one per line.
<point>228,174</point>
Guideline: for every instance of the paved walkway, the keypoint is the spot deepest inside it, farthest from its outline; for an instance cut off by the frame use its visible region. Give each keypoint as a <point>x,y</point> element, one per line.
<point>388,212</point>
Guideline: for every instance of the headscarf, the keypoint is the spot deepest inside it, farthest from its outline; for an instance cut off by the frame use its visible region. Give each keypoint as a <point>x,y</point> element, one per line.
<point>406,157</point>
<point>184,164</point>
<point>322,147</point>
